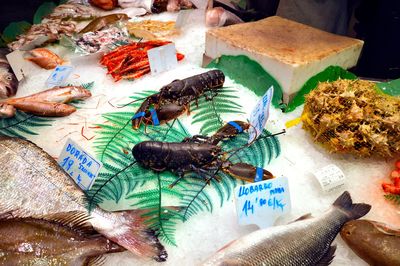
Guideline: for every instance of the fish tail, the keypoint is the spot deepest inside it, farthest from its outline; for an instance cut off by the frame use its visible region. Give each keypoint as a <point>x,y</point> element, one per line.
<point>131,232</point>
<point>353,211</point>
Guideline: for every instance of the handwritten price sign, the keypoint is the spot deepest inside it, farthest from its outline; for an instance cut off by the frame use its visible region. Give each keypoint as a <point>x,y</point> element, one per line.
<point>260,114</point>
<point>81,166</point>
<point>263,202</point>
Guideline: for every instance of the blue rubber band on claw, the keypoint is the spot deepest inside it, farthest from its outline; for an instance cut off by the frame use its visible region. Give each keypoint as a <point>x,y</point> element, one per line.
<point>259,174</point>
<point>236,125</point>
<point>138,115</point>
<point>154,117</point>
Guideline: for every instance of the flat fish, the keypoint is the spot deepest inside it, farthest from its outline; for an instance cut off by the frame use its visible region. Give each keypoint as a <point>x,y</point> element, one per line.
<point>374,242</point>
<point>307,241</point>
<point>61,239</point>
<point>8,80</point>
<point>33,184</point>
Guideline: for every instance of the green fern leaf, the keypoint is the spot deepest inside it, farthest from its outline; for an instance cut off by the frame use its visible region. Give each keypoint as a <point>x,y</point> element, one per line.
<point>21,124</point>
<point>393,198</point>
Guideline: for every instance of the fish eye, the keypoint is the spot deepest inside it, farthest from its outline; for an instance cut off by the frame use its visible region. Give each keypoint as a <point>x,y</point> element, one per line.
<point>9,78</point>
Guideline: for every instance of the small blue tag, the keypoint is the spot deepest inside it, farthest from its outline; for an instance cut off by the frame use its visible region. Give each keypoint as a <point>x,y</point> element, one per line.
<point>259,174</point>
<point>154,117</point>
<point>236,125</point>
<point>138,115</point>
<point>59,75</point>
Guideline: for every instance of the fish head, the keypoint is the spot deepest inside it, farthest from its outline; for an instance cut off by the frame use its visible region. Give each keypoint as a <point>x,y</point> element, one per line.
<point>353,231</point>
<point>8,82</point>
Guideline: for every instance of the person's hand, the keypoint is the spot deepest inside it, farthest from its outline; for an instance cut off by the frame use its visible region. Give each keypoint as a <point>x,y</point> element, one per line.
<point>105,4</point>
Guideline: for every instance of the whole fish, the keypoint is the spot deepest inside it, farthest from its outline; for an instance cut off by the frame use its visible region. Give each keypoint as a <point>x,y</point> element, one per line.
<point>101,22</point>
<point>6,110</point>
<point>374,242</point>
<point>50,109</point>
<point>61,239</point>
<point>45,58</point>
<point>63,94</point>
<point>33,184</point>
<point>304,242</point>
<point>8,81</point>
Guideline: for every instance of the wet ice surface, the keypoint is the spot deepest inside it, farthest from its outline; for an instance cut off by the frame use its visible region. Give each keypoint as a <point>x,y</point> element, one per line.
<point>205,233</point>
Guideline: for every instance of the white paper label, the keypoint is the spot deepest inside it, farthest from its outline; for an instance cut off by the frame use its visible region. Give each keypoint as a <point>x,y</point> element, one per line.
<point>58,76</point>
<point>162,58</point>
<point>259,115</point>
<point>21,67</point>
<point>330,177</point>
<point>80,165</point>
<point>263,202</point>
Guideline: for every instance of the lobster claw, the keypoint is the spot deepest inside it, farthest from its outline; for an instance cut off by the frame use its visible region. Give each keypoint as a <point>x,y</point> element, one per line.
<point>229,130</point>
<point>247,172</point>
<point>170,111</point>
<point>143,110</point>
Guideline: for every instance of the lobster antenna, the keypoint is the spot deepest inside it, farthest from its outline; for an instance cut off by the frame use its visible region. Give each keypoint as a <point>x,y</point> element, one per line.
<point>91,198</point>
<point>235,151</point>
<point>126,104</point>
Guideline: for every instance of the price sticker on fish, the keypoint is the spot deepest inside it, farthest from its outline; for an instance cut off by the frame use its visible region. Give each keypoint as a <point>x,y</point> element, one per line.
<point>261,203</point>
<point>162,58</point>
<point>79,164</point>
<point>260,114</point>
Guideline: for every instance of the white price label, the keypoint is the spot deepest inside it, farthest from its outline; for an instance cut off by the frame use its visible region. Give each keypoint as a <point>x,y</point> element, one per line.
<point>263,202</point>
<point>58,76</point>
<point>330,177</point>
<point>260,114</point>
<point>162,58</point>
<point>80,165</point>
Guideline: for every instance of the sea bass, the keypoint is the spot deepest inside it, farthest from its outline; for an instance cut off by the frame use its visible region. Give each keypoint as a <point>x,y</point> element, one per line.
<point>61,239</point>
<point>8,81</point>
<point>33,184</point>
<point>307,241</point>
<point>374,242</point>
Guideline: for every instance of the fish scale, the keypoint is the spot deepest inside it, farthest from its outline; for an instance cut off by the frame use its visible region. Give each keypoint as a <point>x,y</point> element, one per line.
<point>304,242</point>
<point>33,184</point>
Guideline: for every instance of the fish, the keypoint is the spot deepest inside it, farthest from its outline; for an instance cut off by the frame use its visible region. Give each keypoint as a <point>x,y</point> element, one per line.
<point>60,239</point>
<point>307,241</point>
<point>63,94</point>
<point>7,110</point>
<point>42,108</point>
<point>8,80</point>
<point>101,22</point>
<point>45,58</point>
<point>32,180</point>
<point>374,242</point>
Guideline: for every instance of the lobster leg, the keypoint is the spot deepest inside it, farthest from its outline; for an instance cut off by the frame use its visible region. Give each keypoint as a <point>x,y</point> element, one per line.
<point>247,172</point>
<point>230,130</point>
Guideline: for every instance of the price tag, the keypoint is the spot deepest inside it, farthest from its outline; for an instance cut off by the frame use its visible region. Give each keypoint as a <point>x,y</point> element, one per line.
<point>330,177</point>
<point>58,76</point>
<point>162,58</point>
<point>80,165</point>
<point>260,114</point>
<point>263,202</point>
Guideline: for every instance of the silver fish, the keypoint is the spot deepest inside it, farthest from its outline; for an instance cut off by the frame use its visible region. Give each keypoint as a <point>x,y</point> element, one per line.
<point>32,184</point>
<point>8,81</point>
<point>304,242</point>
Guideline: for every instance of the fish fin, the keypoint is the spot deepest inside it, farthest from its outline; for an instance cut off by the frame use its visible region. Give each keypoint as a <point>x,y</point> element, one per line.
<point>131,232</point>
<point>353,211</point>
<point>303,217</point>
<point>95,261</point>
<point>385,229</point>
<point>77,221</point>
<point>328,257</point>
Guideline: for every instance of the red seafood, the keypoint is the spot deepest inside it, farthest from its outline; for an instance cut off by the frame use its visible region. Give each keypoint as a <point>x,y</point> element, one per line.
<point>45,58</point>
<point>130,61</point>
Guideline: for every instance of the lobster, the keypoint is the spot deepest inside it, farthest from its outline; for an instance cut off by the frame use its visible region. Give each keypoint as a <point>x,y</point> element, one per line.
<point>173,99</point>
<point>198,154</point>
